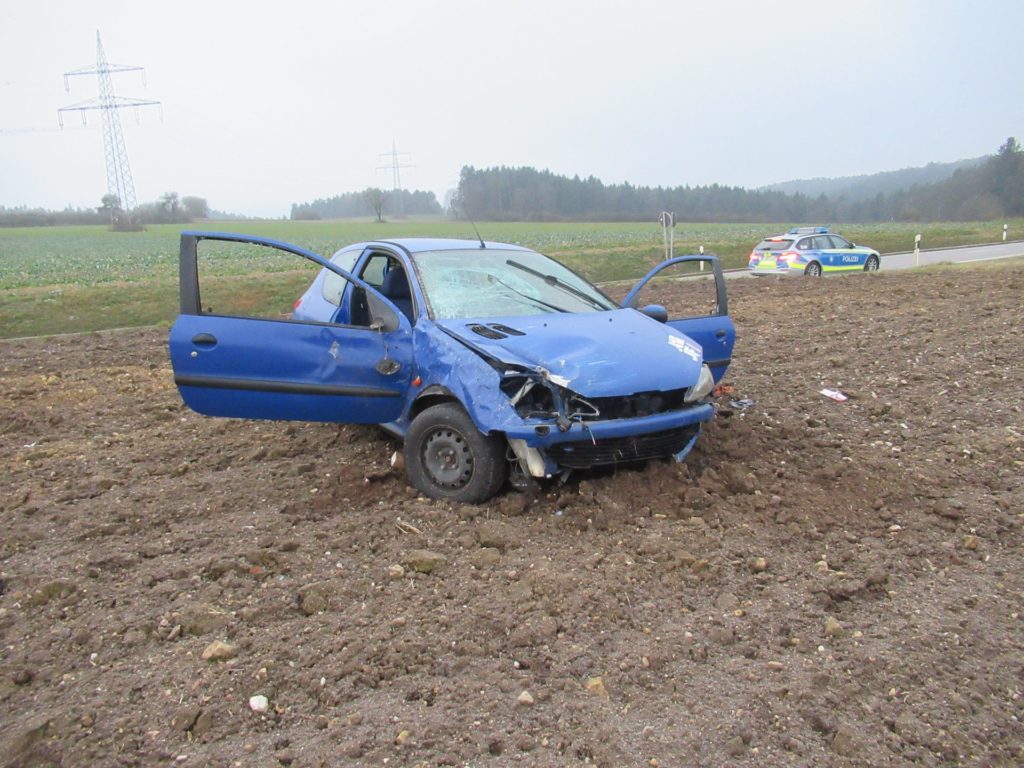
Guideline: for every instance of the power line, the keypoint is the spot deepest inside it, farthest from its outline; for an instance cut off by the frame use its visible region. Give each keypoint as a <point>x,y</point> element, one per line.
<point>119,173</point>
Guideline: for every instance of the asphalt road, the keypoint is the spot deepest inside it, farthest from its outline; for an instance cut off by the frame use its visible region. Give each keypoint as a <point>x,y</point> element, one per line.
<point>955,255</point>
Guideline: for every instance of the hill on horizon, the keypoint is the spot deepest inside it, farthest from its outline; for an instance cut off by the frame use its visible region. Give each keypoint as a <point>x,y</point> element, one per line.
<point>866,186</point>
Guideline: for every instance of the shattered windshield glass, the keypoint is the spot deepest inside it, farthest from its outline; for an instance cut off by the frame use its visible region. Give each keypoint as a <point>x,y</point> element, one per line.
<point>499,283</point>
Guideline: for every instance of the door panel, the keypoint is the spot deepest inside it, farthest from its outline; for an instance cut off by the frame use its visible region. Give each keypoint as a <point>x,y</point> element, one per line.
<point>279,368</point>
<point>705,316</point>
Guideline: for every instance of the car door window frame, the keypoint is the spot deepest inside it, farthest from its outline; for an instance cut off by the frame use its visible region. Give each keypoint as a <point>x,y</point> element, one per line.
<point>721,299</point>
<point>190,301</point>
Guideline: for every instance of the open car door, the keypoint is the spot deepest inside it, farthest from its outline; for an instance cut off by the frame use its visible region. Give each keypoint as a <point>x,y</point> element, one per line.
<point>705,317</point>
<point>275,367</point>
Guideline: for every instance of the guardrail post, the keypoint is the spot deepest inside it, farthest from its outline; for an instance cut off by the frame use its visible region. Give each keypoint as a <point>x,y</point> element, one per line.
<point>1005,227</point>
<point>917,250</point>
<point>701,249</point>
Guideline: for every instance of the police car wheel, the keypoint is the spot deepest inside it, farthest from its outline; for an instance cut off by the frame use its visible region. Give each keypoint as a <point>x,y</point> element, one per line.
<point>813,269</point>
<point>872,264</point>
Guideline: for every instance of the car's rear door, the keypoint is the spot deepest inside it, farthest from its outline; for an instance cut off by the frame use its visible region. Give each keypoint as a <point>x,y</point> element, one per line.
<point>694,288</point>
<point>270,366</point>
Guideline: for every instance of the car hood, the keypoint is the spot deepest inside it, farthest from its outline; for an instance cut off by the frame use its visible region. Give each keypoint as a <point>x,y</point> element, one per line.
<point>595,354</point>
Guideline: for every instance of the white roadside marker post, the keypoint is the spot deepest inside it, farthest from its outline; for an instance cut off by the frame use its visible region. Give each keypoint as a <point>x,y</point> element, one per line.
<point>917,250</point>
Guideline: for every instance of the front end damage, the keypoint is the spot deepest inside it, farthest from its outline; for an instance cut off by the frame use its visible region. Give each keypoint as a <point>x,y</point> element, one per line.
<point>560,430</point>
<point>569,391</point>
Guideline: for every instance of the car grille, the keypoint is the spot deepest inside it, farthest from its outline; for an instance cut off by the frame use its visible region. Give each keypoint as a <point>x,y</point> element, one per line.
<point>619,450</point>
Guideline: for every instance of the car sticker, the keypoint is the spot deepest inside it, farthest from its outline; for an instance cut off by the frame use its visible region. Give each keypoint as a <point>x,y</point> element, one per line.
<point>687,347</point>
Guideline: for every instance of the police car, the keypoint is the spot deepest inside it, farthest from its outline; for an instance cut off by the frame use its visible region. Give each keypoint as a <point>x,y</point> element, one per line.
<point>810,251</point>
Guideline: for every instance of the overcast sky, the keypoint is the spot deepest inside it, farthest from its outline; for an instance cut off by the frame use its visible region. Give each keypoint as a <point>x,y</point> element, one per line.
<point>285,102</point>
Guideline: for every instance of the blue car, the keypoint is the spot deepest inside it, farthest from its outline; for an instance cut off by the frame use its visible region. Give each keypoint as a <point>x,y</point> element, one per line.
<point>812,251</point>
<point>490,361</point>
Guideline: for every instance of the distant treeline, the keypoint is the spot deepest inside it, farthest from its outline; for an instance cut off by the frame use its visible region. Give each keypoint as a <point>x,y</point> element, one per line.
<point>169,209</point>
<point>365,203</point>
<point>989,190</point>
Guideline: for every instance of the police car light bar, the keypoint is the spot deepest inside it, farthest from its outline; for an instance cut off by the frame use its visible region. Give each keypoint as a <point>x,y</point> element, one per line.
<point>809,231</point>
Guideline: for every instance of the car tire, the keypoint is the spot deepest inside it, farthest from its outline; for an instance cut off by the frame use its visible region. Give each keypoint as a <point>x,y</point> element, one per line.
<point>872,264</point>
<point>813,269</point>
<point>447,457</point>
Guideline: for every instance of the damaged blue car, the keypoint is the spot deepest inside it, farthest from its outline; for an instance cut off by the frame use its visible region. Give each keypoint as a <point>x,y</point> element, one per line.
<point>492,362</point>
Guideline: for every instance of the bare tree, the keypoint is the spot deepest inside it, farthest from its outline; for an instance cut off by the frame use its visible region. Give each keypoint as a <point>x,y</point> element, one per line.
<point>376,198</point>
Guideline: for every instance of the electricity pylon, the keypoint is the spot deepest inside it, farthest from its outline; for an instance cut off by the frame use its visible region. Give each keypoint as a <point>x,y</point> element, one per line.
<point>119,172</point>
<point>396,179</point>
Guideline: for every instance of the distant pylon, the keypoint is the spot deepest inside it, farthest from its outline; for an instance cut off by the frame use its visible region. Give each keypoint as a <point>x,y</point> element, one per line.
<point>119,172</point>
<point>396,179</point>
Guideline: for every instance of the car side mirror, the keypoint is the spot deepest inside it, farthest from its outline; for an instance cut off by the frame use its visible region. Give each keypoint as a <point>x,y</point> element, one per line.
<point>381,316</point>
<point>656,312</point>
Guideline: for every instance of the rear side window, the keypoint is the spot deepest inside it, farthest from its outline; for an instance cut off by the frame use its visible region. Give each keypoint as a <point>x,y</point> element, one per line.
<point>804,245</point>
<point>822,243</point>
<point>773,244</point>
<point>839,242</point>
<point>334,284</point>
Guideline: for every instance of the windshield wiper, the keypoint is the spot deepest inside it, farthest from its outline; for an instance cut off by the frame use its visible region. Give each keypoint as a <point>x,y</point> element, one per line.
<point>526,296</point>
<point>558,283</point>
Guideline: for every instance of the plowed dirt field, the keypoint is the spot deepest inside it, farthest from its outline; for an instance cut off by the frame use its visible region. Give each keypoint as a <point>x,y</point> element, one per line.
<point>820,583</point>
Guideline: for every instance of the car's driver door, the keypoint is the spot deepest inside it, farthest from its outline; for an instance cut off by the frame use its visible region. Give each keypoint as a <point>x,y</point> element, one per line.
<point>228,363</point>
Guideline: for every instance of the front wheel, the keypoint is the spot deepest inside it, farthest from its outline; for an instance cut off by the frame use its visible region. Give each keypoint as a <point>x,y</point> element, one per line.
<point>447,457</point>
<point>872,264</point>
<point>813,269</point>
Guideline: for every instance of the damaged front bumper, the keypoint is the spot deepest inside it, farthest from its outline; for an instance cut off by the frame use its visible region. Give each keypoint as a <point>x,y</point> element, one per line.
<point>544,450</point>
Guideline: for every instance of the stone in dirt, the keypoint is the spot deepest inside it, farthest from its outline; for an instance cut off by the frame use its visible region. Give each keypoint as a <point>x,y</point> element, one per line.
<point>259,704</point>
<point>201,619</point>
<point>492,533</point>
<point>727,602</point>
<point>313,599</point>
<point>525,699</point>
<point>218,650</point>
<point>735,746</point>
<point>424,561</point>
<point>843,743</point>
<point>185,718</point>
<point>595,686</point>
<point>203,723</point>
<point>833,627</point>
<point>395,571</point>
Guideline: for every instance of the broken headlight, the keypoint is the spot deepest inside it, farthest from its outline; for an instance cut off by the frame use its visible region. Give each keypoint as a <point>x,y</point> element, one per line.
<point>705,383</point>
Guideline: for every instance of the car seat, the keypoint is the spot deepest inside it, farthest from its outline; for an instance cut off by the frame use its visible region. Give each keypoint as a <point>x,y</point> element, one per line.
<point>396,288</point>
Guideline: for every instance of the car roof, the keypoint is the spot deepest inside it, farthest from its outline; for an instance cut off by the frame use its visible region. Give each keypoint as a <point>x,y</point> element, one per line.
<point>424,244</point>
<point>797,233</point>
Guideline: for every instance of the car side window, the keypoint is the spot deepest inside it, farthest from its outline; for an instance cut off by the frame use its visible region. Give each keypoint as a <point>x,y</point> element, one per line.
<point>375,269</point>
<point>239,279</point>
<point>840,242</point>
<point>383,272</point>
<point>334,284</point>
<point>822,243</point>
<point>804,245</point>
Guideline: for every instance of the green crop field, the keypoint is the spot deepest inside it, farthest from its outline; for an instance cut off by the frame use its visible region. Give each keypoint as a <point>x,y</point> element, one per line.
<point>73,279</point>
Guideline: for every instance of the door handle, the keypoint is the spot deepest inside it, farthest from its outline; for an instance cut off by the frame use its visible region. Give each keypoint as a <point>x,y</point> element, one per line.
<point>204,339</point>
